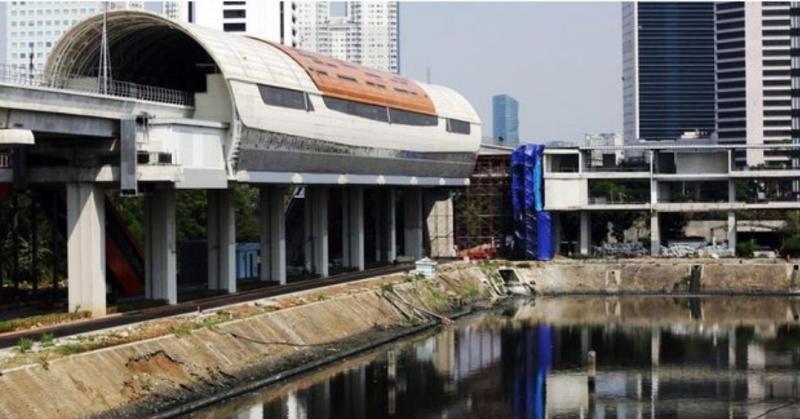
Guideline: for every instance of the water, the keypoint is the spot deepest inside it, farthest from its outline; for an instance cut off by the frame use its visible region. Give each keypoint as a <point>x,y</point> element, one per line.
<point>656,357</point>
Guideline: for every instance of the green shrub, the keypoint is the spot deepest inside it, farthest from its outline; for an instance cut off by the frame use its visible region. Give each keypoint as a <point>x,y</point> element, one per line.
<point>791,247</point>
<point>746,249</point>
<point>24,345</point>
<point>48,340</point>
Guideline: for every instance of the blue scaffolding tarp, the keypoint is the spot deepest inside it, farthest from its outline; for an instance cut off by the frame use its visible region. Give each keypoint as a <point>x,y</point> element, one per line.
<point>533,237</point>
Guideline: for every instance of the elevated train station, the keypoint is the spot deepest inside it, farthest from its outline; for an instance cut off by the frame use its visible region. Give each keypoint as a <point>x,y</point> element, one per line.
<point>192,108</point>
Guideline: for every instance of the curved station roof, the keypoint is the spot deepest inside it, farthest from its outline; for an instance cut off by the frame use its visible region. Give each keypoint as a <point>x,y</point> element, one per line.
<point>150,49</point>
<point>323,136</point>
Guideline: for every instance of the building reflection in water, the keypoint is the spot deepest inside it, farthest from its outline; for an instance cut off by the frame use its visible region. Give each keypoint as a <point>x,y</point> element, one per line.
<point>496,366</point>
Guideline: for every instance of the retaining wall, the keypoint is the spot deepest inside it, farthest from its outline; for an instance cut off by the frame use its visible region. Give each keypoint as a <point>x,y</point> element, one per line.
<point>660,276</point>
<point>142,378</point>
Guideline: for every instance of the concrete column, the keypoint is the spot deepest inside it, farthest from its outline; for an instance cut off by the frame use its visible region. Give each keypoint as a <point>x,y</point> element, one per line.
<point>319,228</point>
<point>585,233</point>
<point>345,227</point>
<point>731,216</point>
<point>655,234</point>
<point>221,240</point>
<point>377,208</point>
<point>413,222</point>
<point>391,225</point>
<point>438,212</point>
<point>355,223</point>
<point>273,234</point>
<point>86,248</point>
<point>556,233</point>
<point>161,280</point>
<point>308,233</point>
<point>732,230</point>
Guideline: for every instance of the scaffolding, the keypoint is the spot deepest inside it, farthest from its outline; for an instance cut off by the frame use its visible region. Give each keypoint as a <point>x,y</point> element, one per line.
<point>483,218</point>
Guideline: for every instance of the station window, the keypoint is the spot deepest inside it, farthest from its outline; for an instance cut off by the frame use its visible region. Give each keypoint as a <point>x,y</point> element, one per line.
<point>286,98</point>
<point>457,126</point>
<point>233,14</point>
<point>374,112</point>
<point>412,118</point>
<point>234,27</point>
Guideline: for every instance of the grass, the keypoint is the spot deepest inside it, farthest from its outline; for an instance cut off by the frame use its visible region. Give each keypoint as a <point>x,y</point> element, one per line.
<point>48,340</point>
<point>132,305</point>
<point>70,349</point>
<point>23,323</point>
<point>24,345</point>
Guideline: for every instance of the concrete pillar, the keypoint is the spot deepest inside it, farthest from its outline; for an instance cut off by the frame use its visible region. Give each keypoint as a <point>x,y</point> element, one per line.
<point>438,205</point>
<point>86,248</point>
<point>308,234</point>
<point>413,222</point>
<point>161,279</point>
<point>345,226</point>
<point>731,216</point>
<point>556,233</point>
<point>319,229</point>
<point>391,225</point>
<point>273,233</point>
<point>655,234</point>
<point>355,223</point>
<point>221,240</point>
<point>377,208</point>
<point>585,233</point>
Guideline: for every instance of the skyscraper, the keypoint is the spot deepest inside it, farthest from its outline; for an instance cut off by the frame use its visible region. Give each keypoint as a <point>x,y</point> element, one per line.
<point>754,81</point>
<point>363,33</point>
<point>31,28</point>
<point>668,69</point>
<point>505,119</point>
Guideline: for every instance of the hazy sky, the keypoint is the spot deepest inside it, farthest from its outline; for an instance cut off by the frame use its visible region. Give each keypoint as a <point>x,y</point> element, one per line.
<point>561,61</point>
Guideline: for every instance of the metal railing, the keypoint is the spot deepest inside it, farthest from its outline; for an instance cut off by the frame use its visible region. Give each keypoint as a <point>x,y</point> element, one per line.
<point>90,84</point>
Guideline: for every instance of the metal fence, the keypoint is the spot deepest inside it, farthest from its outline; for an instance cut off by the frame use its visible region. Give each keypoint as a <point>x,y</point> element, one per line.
<point>90,84</point>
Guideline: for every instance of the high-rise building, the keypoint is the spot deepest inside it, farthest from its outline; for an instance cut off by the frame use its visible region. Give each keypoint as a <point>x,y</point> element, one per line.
<point>505,119</point>
<point>269,20</point>
<point>31,28</point>
<point>754,81</point>
<point>363,32</point>
<point>668,69</point>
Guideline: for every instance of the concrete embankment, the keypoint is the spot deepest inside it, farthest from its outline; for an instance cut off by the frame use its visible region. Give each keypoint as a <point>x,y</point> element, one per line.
<point>660,276</point>
<point>146,377</point>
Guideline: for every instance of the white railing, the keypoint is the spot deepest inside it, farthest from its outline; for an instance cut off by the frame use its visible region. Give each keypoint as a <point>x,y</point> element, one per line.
<point>90,84</point>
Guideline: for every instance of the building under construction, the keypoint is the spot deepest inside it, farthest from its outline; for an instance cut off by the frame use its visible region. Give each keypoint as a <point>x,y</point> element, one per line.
<point>482,211</point>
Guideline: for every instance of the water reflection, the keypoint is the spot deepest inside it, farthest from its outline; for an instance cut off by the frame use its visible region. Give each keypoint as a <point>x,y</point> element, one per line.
<point>656,357</point>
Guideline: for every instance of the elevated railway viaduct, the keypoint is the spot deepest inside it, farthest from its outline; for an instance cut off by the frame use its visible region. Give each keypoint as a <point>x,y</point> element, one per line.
<point>187,107</point>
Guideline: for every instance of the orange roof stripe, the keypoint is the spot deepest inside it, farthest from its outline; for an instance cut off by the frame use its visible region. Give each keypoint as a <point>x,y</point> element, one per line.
<point>345,80</point>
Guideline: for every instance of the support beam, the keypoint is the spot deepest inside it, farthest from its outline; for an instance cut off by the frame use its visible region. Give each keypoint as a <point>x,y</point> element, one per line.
<point>221,240</point>
<point>273,234</point>
<point>655,234</point>
<point>556,233</point>
<point>308,233</point>
<point>731,217</point>
<point>438,213</point>
<point>391,224</point>
<point>345,201</point>
<point>319,229</point>
<point>413,222</point>
<point>161,281</point>
<point>355,216</point>
<point>585,233</point>
<point>732,230</point>
<point>86,248</point>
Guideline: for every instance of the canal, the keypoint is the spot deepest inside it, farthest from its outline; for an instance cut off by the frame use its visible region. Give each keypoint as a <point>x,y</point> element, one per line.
<point>655,357</point>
